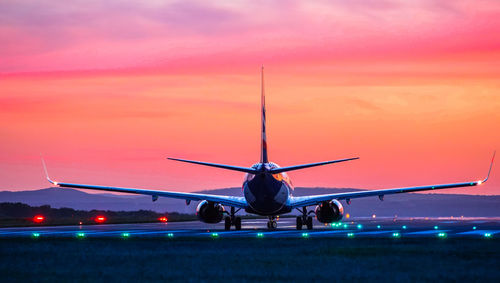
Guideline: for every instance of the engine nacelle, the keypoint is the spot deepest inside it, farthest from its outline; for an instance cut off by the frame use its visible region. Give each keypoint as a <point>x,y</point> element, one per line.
<point>329,211</point>
<point>209,212</point>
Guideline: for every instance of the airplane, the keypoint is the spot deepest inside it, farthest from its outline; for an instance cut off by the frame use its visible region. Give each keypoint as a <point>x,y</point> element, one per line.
<point>268,191</point>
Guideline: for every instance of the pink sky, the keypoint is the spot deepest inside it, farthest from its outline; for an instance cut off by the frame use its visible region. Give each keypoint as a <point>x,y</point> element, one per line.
<point>106,90</point>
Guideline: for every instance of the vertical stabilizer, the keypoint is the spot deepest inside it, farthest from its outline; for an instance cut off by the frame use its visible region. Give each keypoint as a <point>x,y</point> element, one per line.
<point>263,145</point>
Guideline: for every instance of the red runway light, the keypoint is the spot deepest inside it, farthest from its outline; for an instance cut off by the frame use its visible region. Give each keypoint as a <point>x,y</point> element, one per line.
<point>163,219</point>
<point>38,218</point>
<point>100,219</point>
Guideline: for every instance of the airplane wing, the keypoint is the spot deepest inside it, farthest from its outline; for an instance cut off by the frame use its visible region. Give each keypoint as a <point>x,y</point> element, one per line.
<point>314,200</point>
<point>239,202</point>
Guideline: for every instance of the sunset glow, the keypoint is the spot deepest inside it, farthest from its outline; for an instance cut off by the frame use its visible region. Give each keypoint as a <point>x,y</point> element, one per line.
<point>106,90</point>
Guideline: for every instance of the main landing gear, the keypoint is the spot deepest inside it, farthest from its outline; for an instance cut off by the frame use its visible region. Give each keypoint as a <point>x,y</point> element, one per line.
<point>232,220</point>
<point>304,220</point>
<point>272,223</point>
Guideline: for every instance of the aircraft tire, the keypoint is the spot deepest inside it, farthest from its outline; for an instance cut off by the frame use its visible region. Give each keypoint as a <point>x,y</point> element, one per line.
<point>227,223</point>
<point>237,223</point>
<point>274,224</point>
<point>309,223</point>
<point>299,223</point>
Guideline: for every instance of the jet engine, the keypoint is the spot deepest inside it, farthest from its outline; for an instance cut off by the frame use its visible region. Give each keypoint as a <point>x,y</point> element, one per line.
<point>209,212</point>
<point>329,211</point>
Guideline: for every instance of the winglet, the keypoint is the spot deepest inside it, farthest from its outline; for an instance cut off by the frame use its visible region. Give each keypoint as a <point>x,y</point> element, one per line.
<point>46,173</point>
<point>491,165</point>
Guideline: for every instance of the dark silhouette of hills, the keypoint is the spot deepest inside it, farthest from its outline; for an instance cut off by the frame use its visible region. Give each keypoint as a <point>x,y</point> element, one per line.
<point>430,205</point>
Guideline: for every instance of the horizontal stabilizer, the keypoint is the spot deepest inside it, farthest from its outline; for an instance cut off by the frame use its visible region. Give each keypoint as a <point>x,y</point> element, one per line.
<point>223,166</point>
<point>297,167</point>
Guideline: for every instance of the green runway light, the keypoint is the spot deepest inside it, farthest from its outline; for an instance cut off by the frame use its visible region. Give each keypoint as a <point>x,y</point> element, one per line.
<point>345,226</point>
<point>215,235</point>
<point>396,235</point>
<point>170,235</point>
<point>260,235</point>
<point>474,228</point>
<point>80,235</point>
<point>378,227</point>
<point>336,224</point>
<point>404,226</point>
<point>360,226</point>
<point>125,235</point>
<point>305,235</point>
<point>35,235</point>
<point>487,235</point>
<point>442,235</point>
<point>436,227</point>
<point>350,235</point>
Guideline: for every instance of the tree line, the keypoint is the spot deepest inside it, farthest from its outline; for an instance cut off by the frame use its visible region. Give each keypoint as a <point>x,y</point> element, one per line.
<point>12,214</point>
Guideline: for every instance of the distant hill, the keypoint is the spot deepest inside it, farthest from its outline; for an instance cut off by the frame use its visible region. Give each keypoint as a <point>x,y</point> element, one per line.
<point>431,205</point>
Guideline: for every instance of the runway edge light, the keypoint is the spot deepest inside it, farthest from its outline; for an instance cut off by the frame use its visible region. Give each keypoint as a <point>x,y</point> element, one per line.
<point>441,235</point>
<point>100,219</point>
<point>38,218</point>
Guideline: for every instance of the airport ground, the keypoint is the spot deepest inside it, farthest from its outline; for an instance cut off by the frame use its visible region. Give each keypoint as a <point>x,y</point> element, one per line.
<point>364,250</point>
<point>249,259</point>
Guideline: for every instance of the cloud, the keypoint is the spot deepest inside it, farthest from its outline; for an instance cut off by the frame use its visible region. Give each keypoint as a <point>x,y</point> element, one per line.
<point>86,35</point>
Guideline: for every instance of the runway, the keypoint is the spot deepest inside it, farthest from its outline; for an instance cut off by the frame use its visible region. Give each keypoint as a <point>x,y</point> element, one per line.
<point>354,228</point>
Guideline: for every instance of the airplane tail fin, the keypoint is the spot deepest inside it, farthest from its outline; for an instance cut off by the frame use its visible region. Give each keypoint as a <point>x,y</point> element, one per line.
<point>263,142</point>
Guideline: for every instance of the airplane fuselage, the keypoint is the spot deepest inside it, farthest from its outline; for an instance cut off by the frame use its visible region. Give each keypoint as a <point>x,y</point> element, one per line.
<point>267,194</point>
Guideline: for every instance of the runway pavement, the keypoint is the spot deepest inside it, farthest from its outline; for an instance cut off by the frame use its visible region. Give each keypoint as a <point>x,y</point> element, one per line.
<point>350,228</point>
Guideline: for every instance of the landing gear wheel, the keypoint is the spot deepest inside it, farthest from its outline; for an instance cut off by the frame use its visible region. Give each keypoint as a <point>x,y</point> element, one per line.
<point>299,223</point>
<point>227,223</point>
<point>309,223</point>
<point>272,224</point>
<point>237,223</point>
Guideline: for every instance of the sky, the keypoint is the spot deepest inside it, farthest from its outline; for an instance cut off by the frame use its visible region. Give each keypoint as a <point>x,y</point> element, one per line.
<point>106,90</point>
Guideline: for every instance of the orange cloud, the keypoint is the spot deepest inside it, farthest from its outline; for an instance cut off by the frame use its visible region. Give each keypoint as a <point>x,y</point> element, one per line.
<point>107,92</point>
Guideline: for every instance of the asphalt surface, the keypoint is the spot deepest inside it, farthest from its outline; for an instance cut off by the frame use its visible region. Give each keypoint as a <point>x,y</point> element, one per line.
<point>352,228</point>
